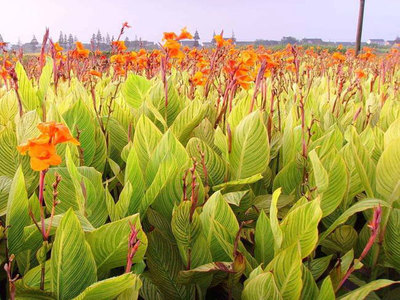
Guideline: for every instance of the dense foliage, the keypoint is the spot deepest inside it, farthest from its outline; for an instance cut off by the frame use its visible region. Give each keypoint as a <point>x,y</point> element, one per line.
<point>216,173</point>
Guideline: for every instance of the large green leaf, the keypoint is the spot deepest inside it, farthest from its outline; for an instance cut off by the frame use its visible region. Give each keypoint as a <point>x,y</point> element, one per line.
<point>261,287</point>
<point>110,288</point>
<point>188,119</point>
<point>216,167</point>
<point>388,170</point>
<point>250,147</point>
<point>79,118</point>
<point>264,240</point>
<point>358,207</point>
<point>17,213</point>
<point>135,89</point>
<point>73,267</point>
<point>286,269</point>
<point>30,100</point>
<point>109,243</point>
<point>362,292</point>
<point>164,264</point>
<point>146,138</point>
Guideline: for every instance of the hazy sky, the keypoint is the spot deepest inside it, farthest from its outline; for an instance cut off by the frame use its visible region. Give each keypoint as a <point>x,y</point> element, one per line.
<point>250,19</point>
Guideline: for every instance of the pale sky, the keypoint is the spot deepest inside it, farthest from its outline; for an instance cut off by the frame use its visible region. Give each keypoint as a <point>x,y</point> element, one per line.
<point>331,20</point>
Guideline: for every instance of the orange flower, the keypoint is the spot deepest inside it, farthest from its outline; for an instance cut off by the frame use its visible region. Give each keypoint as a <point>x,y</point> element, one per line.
<point>219,40</point>
<point>184,35</point>
<point>169,36</point>
<point>198,78</point>
<point>42,152</point>
<point>80,51</point>
<point>172,47</point>
<point>119,45</point>
<point>4,73</point>
<point>58,48</point>
<point>42,149</point>
<point>125,24</point>
<point>58,133</point>
<point>360,74</point>
<point>338,57</point>
<point>95,73</point>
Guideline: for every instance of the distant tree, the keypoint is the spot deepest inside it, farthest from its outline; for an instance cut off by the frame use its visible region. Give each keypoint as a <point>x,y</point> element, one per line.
<point>289,40</point>
<point>75,38</point>
<point>1,39</point>
<point>112,38</point>
<point>93,39</point>
<point>70,41</point>
<point>98,37</point>
<point>127,40</point>
<point>65,39</point>
<point>108,40</point>
<point>61,38</point>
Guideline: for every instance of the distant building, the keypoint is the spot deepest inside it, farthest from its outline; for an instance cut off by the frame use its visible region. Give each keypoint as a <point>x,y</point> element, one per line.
<point>378,42</point>
<point>312,41</point>
<point>31,47</point>
<point>393,42</point>
<point>289,40</point>
<point>266,43</point>
<point>345,44</point>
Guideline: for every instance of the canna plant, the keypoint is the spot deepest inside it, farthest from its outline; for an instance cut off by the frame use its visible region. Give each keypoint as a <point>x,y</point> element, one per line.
<point>218,173</point>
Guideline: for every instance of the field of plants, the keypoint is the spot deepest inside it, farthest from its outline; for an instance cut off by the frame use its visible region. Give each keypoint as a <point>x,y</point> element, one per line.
<point>185,173</point>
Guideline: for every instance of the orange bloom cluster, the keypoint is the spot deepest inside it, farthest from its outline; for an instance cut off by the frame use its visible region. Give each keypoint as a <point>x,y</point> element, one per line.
<point>80,51</point>
<point>338,57</point>
<point>119,46</point>
<point>239,72</point>
<point>42,149</point>
<point>172,45</point>
<point>360,74</point>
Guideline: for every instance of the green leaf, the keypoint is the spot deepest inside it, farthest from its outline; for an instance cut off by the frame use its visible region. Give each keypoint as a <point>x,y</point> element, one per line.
<point>264,240</point>
<point>109,243</point>
<point>391,242</point>
<point>187,232</point>
<point>319,265</point>
<point>135,89</point>
<point>17,213</point>
<point>362,292</point>
<point>25,292</point>
<point>286,269</point>
<point>78,117</point>
<point>45,78</point>
<point>301,224</point>
<point>30,100</point>
<point>9,159</point>
<point>73,267</point>
<point>275,228</point>
<point>250,147</point>
<point>320,174</point>
<point>359,206</point>
<point>164,265</point>
<point>261,287</point>
<point>326,292</point>
<point>202,272</point>
<point>238,183</point>
<point>110,288</point>
<point>216,167</point>
<point>364,164</point>
<point>388,170</point>
<point>145,140</point>
<point>310,289</point>
<point>188,119</point>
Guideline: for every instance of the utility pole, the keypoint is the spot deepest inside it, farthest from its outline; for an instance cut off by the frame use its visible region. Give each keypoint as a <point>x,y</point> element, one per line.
<point>359,26</point>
